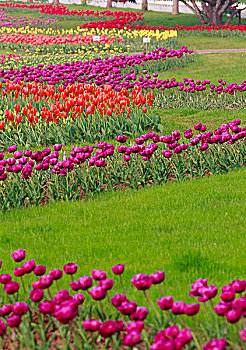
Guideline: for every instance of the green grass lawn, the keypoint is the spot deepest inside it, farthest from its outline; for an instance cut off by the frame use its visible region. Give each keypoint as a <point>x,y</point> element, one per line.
<point>191,230</point>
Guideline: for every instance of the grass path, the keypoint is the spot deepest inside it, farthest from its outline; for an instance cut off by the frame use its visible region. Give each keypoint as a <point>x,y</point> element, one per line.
<point>191,230</point>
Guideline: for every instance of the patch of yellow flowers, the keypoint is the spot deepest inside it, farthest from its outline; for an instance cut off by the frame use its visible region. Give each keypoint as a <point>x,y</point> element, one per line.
<point>58,58</point>
<point>131,35</point>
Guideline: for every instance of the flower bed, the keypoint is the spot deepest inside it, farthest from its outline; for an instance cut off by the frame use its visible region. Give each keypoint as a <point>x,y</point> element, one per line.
<point>90,315</point>
<point>14,22</point>
<point>159,59</point>
<point>41,176</point>
<point>77,113</point>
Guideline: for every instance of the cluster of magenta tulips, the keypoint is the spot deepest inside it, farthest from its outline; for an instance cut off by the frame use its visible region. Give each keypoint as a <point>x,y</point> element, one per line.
<point>34,177</point>
<point>40,308</point>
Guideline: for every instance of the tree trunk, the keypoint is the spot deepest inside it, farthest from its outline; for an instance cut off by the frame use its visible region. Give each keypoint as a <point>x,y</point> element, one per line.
<point>175,7</point>
<point>29,1</point>
<point>109,4</point>
<point>212,10</point>
<point>55,2</point>
<point>144,5</point>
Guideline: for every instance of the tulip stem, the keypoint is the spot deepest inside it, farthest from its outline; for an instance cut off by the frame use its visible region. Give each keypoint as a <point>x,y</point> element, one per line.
<point>122,286</point>
<point>57,286</point>
<point>50,293</point>
<point>102,309</point>
<point>196,333</point>
<point>151,304</point>
<point>23,285</point>
<point>162,292</point>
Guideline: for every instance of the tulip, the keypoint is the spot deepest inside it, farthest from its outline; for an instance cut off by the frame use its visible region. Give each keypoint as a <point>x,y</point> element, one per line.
<point>45,307</point>
<point>5,279</point>
<point>107,284</point>
<point>20,308</point>
<point>98,293</point>
<point>135,326</point>
<point>185,336</point>
<point>140,313</point>
<point>29,266</point>
<point>141,281</point>
<point>39,270</point>
<point>157,277</point>
<point>74,285</point>
<point>243,335</point>
<point>118,269</point>
<point>19,255</point>
<point>191,309</point>
<point>222,308</point>
<point>216,344</point>
<point>12,149</point>
<point>239,286</point>
<point>36,295</point>
<point>46,281</point>
<point>85,282</point>
<point>56,274</point>
<point>127,307</point>
<point>2,327</point>
<point>79,298</point>
<point>165,303</point>
<point>11,287</point>
<point>70,268</point>
<point>107,329</point>
<point>178,308</point>
<point>14,321</point>
<point>233,316</point>
<point>99,275</point>
<point>132,339</point>
<point>118,299</point>
<point>19,272</point>
<point>91,325</point>
<point>5,310</point>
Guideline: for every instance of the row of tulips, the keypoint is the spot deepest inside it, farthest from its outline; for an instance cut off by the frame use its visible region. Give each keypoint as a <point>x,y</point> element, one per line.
<point>77,113</point>
<point>15,22</point>
<point>130,37</point>
<point>68,43</point>
<point>124,18</point>
<point>101,71</point>
<point>79,316</point>
<point>14,61</point>
<point>34,177</point>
